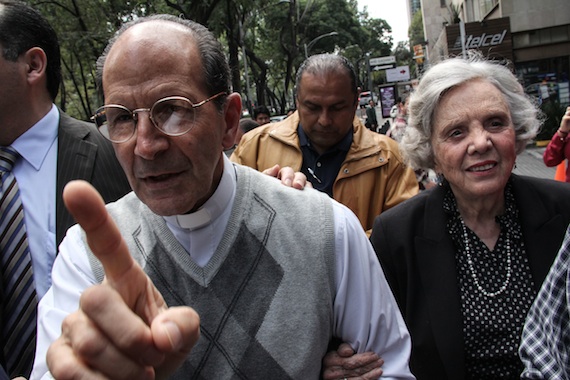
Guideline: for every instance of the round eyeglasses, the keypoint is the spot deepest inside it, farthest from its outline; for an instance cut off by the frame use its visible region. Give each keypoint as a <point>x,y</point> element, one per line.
<point>173,116</point>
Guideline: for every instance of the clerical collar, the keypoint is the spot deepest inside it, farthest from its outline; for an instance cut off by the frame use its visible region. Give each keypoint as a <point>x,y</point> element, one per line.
<point>213,207</point>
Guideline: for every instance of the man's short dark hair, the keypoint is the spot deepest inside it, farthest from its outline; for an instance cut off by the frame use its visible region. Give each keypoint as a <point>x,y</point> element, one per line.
<point>22,28</point>
<point>247,124</point>
<point>326,63</point>
<point>260,110</point>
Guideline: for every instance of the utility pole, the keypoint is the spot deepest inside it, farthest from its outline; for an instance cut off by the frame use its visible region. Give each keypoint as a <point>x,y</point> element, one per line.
<point>368,73</point>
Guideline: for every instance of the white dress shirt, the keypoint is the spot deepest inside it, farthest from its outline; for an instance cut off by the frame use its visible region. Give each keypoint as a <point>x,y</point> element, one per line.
<point>364,308</point>
<point>36,173</point>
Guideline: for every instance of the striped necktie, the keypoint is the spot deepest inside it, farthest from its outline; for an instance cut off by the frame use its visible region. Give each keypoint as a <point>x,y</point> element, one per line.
<point>19,301</point>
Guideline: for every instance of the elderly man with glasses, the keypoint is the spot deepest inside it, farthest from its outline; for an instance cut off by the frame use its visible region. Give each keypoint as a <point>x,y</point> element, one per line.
<point>208,269</point>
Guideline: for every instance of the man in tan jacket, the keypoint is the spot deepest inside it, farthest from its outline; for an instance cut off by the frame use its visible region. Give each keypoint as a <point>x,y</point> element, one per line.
<point>327,142</point>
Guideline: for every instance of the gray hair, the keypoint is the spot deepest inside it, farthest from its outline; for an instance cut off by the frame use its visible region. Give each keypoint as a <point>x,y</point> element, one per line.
<point>216,78</point>
<point>321,64</point>
<point>438,80</point>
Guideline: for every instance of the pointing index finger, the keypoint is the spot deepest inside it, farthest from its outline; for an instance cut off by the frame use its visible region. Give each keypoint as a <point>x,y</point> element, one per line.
<point>103,236</point>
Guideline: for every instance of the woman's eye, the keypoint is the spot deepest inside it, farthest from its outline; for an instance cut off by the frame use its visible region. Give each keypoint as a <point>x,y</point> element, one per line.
<point>455,133</point>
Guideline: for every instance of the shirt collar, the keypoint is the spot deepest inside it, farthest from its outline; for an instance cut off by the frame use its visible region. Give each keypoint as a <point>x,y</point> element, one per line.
<point>213,207</point>
<point>31,145</point>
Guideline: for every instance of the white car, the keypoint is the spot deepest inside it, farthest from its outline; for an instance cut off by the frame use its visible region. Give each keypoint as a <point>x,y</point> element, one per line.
<point>275,119</point>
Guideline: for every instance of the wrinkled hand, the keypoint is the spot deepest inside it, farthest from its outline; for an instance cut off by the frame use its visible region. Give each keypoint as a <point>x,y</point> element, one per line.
<point>289,177</point>
<point>123,328</point>
<point>345,364</point>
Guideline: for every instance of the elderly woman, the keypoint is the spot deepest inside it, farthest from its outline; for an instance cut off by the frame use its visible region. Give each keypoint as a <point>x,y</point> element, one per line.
<point>466,259</point>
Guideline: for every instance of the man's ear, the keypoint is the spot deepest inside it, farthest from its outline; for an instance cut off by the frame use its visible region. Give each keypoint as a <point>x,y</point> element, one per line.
<point>36,64</point>
<point>232,114</point>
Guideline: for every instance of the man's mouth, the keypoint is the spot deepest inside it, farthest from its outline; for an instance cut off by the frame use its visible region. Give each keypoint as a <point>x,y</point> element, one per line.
<point>160,177</point>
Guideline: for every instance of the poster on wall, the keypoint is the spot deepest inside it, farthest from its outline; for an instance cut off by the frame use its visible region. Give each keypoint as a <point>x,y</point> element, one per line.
<point>387,99</point>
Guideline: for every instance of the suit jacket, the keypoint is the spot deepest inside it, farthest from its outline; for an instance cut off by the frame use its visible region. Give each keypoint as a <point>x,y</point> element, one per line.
<point>83,153</point>
<point>371,120</point>
<point>418,258</point>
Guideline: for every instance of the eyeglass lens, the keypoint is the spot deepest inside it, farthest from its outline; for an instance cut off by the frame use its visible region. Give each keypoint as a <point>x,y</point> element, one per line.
<point>174,117</point>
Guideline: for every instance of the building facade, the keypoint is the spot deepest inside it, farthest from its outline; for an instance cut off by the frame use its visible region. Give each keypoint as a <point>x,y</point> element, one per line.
<point>533,35</point>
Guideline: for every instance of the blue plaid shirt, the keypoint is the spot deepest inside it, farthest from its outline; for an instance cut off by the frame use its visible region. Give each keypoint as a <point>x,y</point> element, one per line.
<point>545,346</point>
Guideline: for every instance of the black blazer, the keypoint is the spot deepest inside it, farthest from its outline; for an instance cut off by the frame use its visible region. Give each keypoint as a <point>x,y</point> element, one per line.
<point>83,153</point>
<point>418,258</point>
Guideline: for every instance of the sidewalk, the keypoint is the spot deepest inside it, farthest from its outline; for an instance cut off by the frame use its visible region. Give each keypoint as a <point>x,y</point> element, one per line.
<point>528,163</point>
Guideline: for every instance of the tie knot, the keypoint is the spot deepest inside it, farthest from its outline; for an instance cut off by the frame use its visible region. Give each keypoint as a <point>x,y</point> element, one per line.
<point>8,157</point>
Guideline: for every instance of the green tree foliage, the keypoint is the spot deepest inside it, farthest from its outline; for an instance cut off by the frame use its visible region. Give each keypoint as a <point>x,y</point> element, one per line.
<point>271,34</point>
<point>416,30</point>
<point>403,53</point>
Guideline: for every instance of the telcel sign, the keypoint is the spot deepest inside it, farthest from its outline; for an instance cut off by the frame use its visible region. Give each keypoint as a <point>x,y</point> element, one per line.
<point>484,40</point>
<point>491,37</point>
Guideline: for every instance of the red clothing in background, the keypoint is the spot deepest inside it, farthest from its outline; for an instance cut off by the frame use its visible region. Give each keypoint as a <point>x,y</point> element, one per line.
<point>557,151</point>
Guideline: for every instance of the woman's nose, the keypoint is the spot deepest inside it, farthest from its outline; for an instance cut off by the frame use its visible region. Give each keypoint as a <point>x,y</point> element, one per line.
<point>480,142</point>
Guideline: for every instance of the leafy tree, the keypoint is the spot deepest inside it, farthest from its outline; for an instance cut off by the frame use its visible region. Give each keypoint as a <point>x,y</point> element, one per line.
<point>416,30</point>
<point>83,28</point>
<point>270,35</point>
<point>403,54</point>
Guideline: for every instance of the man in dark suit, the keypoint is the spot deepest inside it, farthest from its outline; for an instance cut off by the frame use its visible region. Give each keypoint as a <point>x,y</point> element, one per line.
<point>371,119</point>
<point>52,148</point>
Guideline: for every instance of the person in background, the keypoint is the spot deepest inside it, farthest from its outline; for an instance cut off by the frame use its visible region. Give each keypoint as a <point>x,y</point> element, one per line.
<point>261,115</point>
<point>397,129</point>
<point>558,149</point>
<point>246,124</point>
<point>400,122</point>
<point>371,119</point>
<point>465,259</point>
<point>395,109</point>
<point>232,243</point>
<point>327,142</point>
<point>544,348</point>
<point>51,149</point>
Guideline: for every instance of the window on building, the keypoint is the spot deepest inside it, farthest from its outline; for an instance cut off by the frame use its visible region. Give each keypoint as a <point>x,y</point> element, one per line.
<point>486,5</point>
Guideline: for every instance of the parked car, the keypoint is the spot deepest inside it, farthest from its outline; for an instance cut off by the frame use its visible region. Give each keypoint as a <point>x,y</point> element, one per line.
<point>274,119</point>
<point>364,98</point>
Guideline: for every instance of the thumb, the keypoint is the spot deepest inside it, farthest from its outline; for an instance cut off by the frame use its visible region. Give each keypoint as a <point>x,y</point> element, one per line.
<point>176,331</point>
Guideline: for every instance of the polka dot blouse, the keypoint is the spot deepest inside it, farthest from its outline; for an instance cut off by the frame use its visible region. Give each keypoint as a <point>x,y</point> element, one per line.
<point>492,318</point>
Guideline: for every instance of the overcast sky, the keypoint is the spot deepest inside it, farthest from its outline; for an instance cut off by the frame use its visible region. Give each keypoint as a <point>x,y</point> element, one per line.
<point>393,11</point>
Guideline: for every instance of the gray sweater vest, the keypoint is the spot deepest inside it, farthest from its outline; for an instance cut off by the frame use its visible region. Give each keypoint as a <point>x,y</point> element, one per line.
<point>265,299</point>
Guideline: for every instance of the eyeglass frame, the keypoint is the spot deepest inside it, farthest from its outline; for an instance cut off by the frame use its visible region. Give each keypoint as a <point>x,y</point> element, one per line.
<point>134,114</point>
